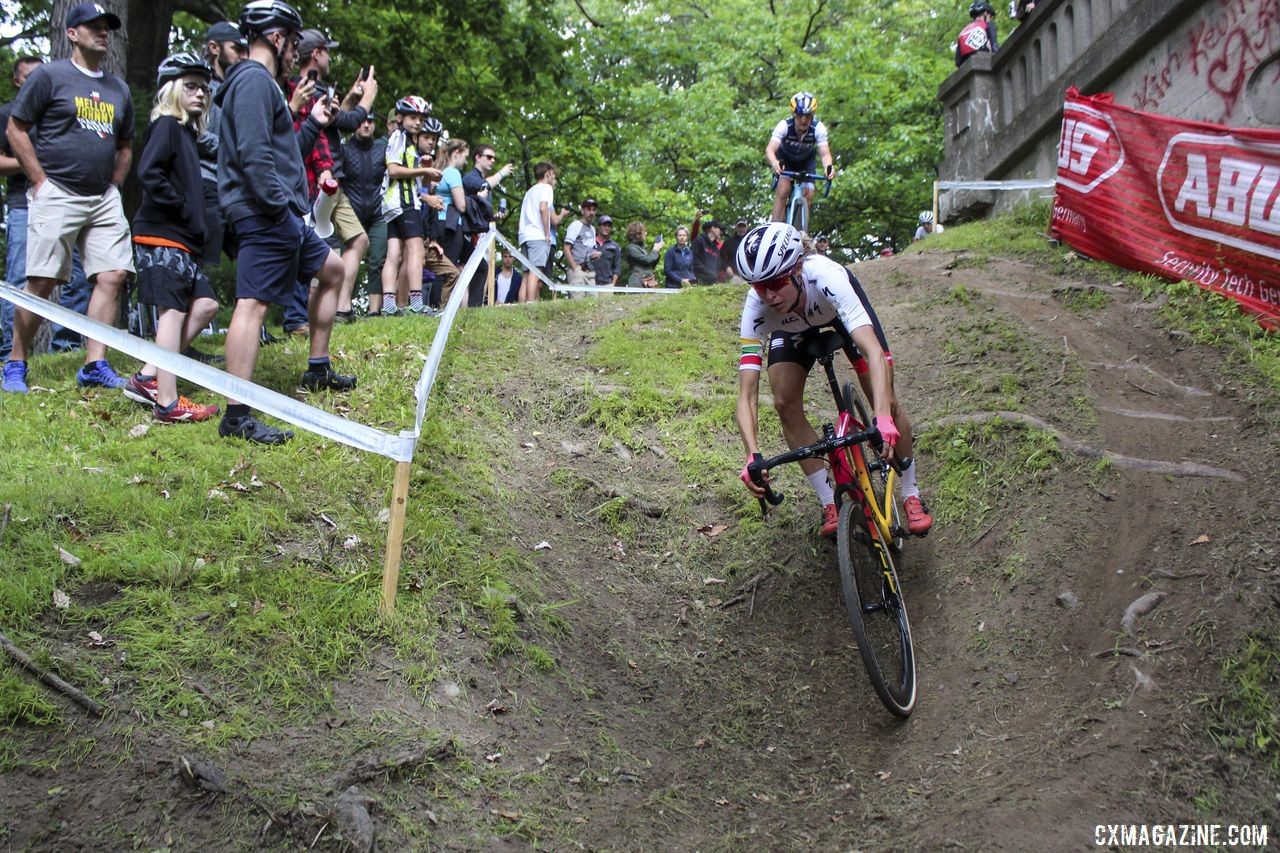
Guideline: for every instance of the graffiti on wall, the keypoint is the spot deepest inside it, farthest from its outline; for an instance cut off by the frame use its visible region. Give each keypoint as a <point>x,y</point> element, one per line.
<point>1221,50</point>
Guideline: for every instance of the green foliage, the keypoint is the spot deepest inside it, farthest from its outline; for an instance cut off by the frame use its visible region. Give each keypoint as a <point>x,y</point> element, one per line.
<point>979,466</point>
<point>1217,320</point>
<point>1247,718</point>
<point>22,702</point>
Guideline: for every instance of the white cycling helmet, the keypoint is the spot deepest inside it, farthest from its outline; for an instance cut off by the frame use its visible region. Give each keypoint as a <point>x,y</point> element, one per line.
<point>768,251</point>
<point>926,216</point>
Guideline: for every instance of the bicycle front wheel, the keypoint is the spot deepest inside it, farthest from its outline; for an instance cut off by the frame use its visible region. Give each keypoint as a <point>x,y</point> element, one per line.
<point>873,597</point>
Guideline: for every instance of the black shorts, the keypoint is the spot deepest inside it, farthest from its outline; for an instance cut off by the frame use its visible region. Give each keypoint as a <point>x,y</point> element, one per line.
<point>273,258</point>
<point>790,348</point>
<point>406,226</point>
<point>807,166</point>
<point>169,277</point>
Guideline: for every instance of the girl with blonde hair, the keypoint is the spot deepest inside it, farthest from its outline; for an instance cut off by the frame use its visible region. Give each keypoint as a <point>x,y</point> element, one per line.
<point>169,232</point>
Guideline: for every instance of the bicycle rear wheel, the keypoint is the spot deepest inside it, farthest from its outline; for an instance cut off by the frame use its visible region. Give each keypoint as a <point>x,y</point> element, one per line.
<point>873,597</point>
<point>879,478</point>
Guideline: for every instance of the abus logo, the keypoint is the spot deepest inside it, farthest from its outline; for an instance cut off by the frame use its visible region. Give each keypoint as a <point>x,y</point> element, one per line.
<point>1223,189</point>
<point>1090,150</point>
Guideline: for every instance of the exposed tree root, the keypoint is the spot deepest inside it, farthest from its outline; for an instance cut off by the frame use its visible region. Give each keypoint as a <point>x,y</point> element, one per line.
<point>20,657</point>
<point>1154,466</point>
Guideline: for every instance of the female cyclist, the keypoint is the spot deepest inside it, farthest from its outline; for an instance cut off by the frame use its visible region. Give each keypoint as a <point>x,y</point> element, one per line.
<point>795,290</point>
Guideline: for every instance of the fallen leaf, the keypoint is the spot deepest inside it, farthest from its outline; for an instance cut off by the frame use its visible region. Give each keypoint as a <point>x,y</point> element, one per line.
<point>712,530</point>
<point>495,707</point>
<point>709,581</point>
<point>96,641</point>
<point>136,479</point>
<point>61,600</point>
<point>384,516</point>
<point>68,558</point>
<point>216,493</point>
<point>883,775</point>
<point>139,431</point>
<point>493,757</point>
<point>544,545</point>
<point>1200,540</point>
<point>507,815</point>
<point>351,542</point>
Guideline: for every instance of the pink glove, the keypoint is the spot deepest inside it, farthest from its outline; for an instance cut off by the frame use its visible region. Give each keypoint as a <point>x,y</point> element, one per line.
<point>888,430</point>
<point>745,477</point>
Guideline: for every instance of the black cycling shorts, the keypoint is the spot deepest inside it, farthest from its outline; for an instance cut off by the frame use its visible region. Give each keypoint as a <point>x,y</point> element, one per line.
<point>790,348</point>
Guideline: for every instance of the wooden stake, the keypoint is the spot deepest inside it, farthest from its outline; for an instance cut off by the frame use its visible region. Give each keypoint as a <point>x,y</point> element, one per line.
<point>935,204</point>
<point>489,278</point>
<point>395,538</point>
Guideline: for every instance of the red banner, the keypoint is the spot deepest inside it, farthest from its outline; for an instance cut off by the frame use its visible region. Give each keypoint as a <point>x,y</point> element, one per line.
<point>1180,199</point>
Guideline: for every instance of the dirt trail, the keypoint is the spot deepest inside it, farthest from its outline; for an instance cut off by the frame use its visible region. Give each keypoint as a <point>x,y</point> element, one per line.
<point>673,723</point>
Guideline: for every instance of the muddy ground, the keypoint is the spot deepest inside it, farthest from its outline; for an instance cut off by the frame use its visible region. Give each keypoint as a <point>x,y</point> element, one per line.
<point>673,721</point>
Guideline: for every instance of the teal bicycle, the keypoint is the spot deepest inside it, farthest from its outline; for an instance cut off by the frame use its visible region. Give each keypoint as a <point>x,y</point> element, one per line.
<point>798,205</point>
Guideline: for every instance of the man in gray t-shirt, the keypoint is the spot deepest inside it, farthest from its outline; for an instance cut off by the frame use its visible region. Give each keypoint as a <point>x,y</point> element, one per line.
<point>70,129</point>
<point>580,244</point>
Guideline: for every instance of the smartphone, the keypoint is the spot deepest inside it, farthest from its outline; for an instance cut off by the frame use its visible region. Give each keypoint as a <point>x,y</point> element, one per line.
<point>364,73</point>
<point>502,204</point>
<point>330,91</point>
<point>312,75</point>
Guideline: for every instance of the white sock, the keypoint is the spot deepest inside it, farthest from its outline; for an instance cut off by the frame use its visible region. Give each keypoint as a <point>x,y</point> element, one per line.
<point>907,487</point>
<point>821,485</point>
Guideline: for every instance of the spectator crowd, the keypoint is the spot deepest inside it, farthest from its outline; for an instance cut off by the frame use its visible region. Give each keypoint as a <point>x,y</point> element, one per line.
<point>302,191</point>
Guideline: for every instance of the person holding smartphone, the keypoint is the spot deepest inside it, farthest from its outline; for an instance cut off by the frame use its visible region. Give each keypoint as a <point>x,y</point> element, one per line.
<point>326,162</point>
<point>642,262</point>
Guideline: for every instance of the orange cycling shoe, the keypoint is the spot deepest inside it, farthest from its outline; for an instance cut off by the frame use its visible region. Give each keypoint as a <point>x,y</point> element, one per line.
<point>830,520</point>
<point>918,519</point>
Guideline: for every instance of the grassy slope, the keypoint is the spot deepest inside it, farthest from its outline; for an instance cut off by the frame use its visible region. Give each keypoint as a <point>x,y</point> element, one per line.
<point>253,574</point>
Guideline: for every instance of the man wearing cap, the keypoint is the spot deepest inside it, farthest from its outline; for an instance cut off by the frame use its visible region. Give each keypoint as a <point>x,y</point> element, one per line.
<point>706,249</point>
<point>608,266</point>
<point>70,129</point>
<point>325,162</point>
<point>580,246</point>
<point>223,48</point>
<point>822,245</point>
<point>729,251</point>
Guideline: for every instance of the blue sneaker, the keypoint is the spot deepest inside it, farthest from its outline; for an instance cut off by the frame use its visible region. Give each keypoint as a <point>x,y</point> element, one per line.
<point>15,377</point>
<point>99,374</point>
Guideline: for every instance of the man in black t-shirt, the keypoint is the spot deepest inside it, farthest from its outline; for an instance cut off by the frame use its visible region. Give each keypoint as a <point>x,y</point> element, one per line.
<point>71,128</point>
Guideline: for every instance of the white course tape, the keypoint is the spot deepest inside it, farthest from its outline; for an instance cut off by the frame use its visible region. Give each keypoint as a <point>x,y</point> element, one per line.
<point>996,185</point>
<point>577,288</point>
<point>432,366</point>
<point>398,447</point>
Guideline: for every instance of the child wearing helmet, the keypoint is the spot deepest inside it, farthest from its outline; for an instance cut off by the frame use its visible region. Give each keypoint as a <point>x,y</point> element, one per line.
<point>169,232</point>
<point>794,292</point>
<point>792,148</point>
<point>979,34</point>
<point>401,206</point>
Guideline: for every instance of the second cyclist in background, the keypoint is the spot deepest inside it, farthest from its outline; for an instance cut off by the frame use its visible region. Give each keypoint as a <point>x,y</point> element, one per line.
<point>794,146</point>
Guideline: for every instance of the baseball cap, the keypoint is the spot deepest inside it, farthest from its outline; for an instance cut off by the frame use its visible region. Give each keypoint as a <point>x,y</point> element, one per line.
<point>591,202</point>
<point>313,40</point>
<point>606,220</point>
<point>822,238</point>
<point>743,222</point>
<point>86,12</point>
<point>225,31</point>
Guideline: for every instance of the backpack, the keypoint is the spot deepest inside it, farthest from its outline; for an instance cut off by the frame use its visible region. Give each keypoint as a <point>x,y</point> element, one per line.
<point>478,215</point>
<point>973,38</point>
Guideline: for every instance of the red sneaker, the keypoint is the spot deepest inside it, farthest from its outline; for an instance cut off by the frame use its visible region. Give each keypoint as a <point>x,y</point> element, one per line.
<point>830,520</point>
<point>918,519</point>
<point>184,411</point>
<point>141,390</point>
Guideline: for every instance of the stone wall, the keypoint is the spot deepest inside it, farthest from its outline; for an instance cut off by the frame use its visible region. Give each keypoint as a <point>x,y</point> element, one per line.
<point>1210,60</point>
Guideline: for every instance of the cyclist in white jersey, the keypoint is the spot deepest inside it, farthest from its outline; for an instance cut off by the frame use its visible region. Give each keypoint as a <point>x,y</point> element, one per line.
<point>794,146</point>
<point>794,290</point>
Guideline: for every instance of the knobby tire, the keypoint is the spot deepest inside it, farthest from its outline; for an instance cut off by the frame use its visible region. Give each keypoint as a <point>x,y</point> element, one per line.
<point>876,612</point>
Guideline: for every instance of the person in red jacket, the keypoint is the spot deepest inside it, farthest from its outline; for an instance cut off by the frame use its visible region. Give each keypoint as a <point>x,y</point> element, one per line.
<point>979,34</point>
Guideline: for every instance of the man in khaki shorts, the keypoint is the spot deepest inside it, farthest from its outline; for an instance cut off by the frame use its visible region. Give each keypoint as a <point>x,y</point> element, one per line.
<point>70,130</point>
